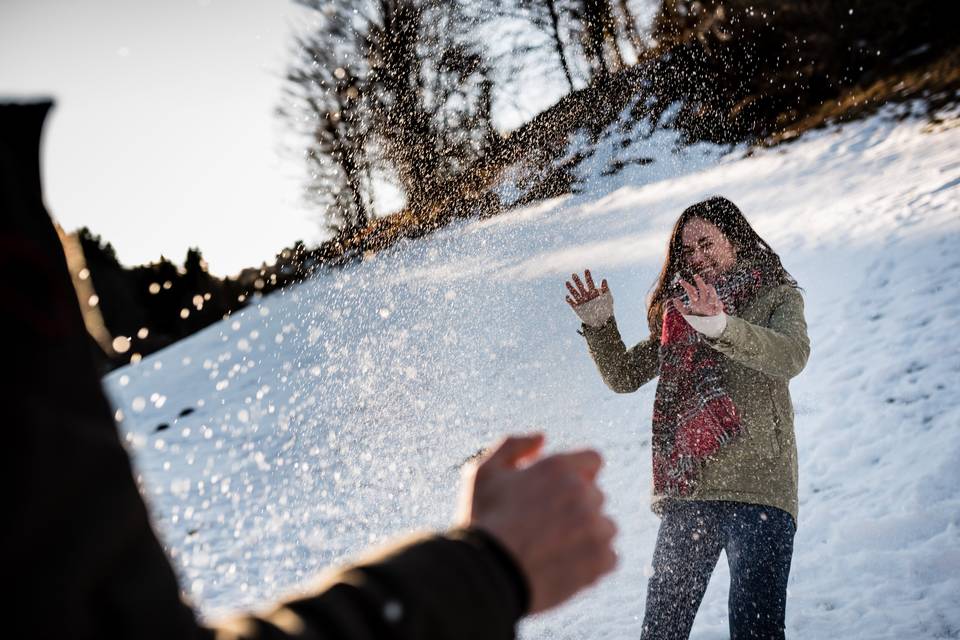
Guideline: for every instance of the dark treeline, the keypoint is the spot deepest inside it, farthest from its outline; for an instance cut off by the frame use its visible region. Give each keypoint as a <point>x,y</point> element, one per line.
<point>147,307</point>
<point>748,70</point>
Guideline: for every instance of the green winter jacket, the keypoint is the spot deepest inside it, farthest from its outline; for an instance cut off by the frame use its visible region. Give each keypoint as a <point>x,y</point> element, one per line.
<point>764,347</point>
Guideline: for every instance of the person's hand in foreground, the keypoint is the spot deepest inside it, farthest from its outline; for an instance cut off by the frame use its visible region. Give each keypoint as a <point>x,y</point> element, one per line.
<point>547,512</point>
<point>592,305</point>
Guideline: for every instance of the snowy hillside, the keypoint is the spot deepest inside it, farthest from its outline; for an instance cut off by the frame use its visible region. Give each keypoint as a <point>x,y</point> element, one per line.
<point>337,413</point>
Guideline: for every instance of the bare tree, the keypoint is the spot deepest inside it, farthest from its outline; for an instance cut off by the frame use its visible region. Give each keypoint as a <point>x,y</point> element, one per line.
<point>326,103</point>
<point>587,27</point>
<point>395,82</point>
<point>598,31</point>
<point>554,31</point>
<point>629,22</point>
<point>523,50</point>
<point>397,76</point>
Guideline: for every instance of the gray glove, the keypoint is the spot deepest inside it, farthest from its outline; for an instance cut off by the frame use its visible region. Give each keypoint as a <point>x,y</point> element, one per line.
<point>710,326</point>
<point>596,311</point>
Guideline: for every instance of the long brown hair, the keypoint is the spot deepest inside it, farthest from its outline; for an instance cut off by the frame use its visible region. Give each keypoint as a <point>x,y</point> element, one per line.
<point>727,217</point>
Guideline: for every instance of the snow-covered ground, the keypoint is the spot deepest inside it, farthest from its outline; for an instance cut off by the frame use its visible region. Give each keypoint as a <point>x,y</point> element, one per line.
<point>337,413</point>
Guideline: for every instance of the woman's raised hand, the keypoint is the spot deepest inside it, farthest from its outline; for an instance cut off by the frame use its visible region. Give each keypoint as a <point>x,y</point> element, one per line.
<point>593,306</point>
<point>703,297</point>
<point>580,293</point>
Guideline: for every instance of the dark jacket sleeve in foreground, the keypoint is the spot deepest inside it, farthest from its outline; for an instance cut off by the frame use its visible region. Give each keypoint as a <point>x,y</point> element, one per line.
<point>624,370</point>
<point>456,586</point>
<point>82,559</point>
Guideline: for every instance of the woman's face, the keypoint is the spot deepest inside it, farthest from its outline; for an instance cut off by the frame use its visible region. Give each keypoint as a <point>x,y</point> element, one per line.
<point>706,251</point>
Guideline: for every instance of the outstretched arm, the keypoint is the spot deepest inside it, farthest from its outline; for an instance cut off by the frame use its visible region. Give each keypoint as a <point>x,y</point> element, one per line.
<point>532,534</point>
<point>458,585</point>
<point>624,370</point>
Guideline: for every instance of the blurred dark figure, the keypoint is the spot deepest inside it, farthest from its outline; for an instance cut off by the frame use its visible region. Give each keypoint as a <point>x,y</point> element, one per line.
<point>82,560</point>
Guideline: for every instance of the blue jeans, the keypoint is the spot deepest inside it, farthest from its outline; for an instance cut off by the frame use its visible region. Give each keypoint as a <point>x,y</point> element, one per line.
<point>759,545</point>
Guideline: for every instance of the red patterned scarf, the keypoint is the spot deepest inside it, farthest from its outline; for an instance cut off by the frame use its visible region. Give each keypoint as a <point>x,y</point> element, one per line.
<point>693,416</point>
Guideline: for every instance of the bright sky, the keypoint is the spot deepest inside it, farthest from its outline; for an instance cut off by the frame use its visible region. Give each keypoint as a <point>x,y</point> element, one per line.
<point>164,134</point>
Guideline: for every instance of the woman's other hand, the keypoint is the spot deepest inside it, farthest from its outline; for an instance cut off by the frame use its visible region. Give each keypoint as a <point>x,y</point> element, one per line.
<point>705,311</point>
<point>593,306</point>
<point>703,297</point>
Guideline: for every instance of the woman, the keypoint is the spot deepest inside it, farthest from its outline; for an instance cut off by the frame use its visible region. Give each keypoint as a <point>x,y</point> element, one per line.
<point>727,334</point>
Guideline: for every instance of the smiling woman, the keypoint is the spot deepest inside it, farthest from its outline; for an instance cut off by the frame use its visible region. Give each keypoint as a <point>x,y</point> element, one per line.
<point>710,238</point>
<point>727,334</point>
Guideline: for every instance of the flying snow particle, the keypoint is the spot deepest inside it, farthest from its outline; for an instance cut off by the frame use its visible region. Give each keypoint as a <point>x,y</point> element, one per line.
<point>121,344</point>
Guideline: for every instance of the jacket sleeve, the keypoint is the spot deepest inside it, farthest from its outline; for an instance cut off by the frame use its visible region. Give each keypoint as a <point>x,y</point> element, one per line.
<point>780,349</point>
<point>460,585</point>
<point>624,370</point>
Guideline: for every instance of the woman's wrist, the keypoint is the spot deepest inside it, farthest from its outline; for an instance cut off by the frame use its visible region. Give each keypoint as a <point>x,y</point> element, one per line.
<point>709,326</point>
<point>596,311</point>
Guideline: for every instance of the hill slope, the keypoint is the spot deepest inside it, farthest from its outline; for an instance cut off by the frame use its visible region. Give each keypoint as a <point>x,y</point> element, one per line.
<point>338,412</point>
